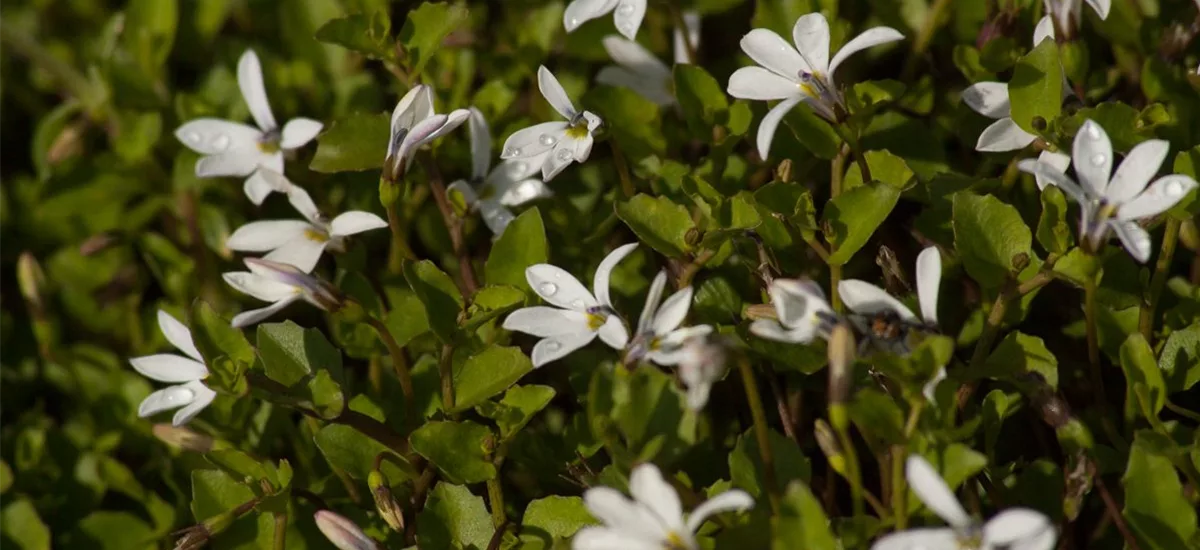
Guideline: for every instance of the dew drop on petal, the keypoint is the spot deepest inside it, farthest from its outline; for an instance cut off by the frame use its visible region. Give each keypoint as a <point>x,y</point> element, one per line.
<point>625,9</point>
<point>574,22</point>
<point>1098,159</point>
<point>220,142</point>
<point>548,289</point>
<point>553,345</point>
<point>563,154</point>
<point>512,152</point>
<point>1093,131</point>
<point>547,140</point>
<point>577,303</point>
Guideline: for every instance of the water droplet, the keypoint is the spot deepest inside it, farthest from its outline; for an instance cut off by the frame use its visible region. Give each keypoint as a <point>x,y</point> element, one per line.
<point>512,152</point>
<point>193,137</point>
<point>1093,131</point>
<point>574,22</point>
<point>1174,188</point>
<point>553,345</point>
<point>220,142</point>
<point>548,289</point>
<point>563,154</point>
<point>625,9</point>
<point>1098,159</point>
<point>577,303</point>
<point>547,140</point>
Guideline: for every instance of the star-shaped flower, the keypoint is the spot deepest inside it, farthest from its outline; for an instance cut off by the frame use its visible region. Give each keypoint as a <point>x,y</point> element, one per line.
<point>236,149</point>
<point>491,193</point>
<point>627,14</point>
<point>414,125</point>
<point>642,72</point>
<point>280,284</point>
<point>659,338</point>
<point>653,519</point>
<point>1068,14</point>
<point>579,316</point>
<point>1115,204</point>
<point>803,313</point>
<point>567,142</point>
<point>1012,529</point>
<point>803,73</point>
<point>187,373</point>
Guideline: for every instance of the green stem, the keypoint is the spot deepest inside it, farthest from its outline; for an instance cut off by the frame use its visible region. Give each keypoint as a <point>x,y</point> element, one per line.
<point>399,363</point>
<point>446,372</point>
<point>851,138</point>
<point>761,431</point>
<point>1190,415</point>
<point>899,500</point>
<point>1159,281</point>
<point>496,501</point>
<point>1093,341</point>
<point>677,17</point>
<point>453,225</point>
<point>622,169</point>
<point>399,250</point>
<point>837,169</point>
<point>841,425</point>
<point>281,521</point>
<point>689,272</point>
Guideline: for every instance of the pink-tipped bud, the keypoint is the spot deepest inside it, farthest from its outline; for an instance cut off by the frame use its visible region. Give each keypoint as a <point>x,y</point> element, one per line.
<point>342,532</point>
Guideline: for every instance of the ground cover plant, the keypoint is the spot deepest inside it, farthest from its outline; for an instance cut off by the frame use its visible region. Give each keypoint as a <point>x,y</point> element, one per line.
<point>600,274</point>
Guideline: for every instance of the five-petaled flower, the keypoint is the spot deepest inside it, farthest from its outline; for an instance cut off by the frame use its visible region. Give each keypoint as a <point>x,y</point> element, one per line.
<point>803,313</point>
<point>187,373</point>
<point>280,284</point>
<point>565,141</point>
<point>1067,14</point>
<point>627,14</point>
<point>803,73</point>
<point>491,193</point>
<point>298,242</point>
<point>1115,204</point>
<point>579,316</point>
<point>642,72</point>
<point>236,149</point>
<point>414,125</point>
<point>653,519</point>
<point>1014,528</point>
<point>659,338</point>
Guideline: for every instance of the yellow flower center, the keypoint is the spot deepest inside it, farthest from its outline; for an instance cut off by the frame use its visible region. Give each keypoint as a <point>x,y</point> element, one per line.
<point>315,236</point>
<point>595,321</point>
<point>578,131</point>
<point>675,542</point>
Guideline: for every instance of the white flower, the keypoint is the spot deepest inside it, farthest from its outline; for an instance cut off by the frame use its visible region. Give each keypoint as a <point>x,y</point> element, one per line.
<point>579,317</point>
<point>342,532</point>
<point>702,363</point>
<point>803,313</point>
<point>653,519</point>
<point>280,284</point>
<point>1069,13</point>
<point>803,73</point>
<point>659,337</point>
<point>627,14</point>
<point>414,125</point>
<point>236,149</point>
<point>1118,203</point>
<point>492,192</point>
<point>565,141</point>
<point>642,72</point>
<point>187,373</point>
<point>1012,529</point>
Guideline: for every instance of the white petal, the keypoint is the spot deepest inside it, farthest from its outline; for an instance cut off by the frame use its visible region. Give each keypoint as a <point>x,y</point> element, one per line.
<point>302,252</point>
<point>260,287</point>
<point>1003,135</point>
<point>168,367</point>
<point>554,93</point>
<point>989,99</point>
<point>235,162</point>
<point>481,144</point>
<point>673,311</point>
<point>1044,30</point>
<point>210,136</point>
<point>1164,193</point>
<point>628,17</point>
<point>648,488</point>
<point>257,188</point>
<point>604,271</point>
<point>528,142</point>
<point>250,80</point>
<point>545,321</point>
<point>1136,170</point>
<point>203,397</point>
<point>582,148</point>
<point>593,121</point>
<point>300,200</point>
<point>1092,156</point>
<point>772,330</point>
<point>463,188</point>
<point>774,53</point>
<point>697,394</point>
<point>495,216</point>
<point>770,122</point>
<point>929,278</point>
<point>558,287</point>
<point>870,37</point>
<point>633,56</point>
<point>254,316</point>
<point>1058,161</point>
<point>355,221</point>
<point>759,83</point>
<point>796,302</point>
<point>603,538</point>
<point>691,20</point>
<point>930,387</point>
<point>933,491</point>
<point>520,192</point>
<point>678,336</point>
<point>1052,175</point>
<point>867,299</point>
<point>1015,525</point>
<point>555,163</point>
<point>1135,239</point>
<point>299,131</point>
<point>579,11</point>
<point>613,333</point>
<point>415,106</point>
<point>653,89</point>
<point>653,298</point>
<point>611,507</point>
<point>424,132</point>
<point>178,335</point>
<point>553,348</point>
<point>927,538</point>
<point>735,500</point>
<point>167,398</point>
<point>1101,7</point>
<point>266,235</point>
<point>811,35</point>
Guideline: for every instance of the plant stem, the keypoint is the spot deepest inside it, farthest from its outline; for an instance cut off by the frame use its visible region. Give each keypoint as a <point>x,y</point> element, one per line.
<point>851,139</point>
<point>1114,513</point>
<point>446,372</point>
<point>281,521</point>
<point>761,432</point>
<point>837,417</point>
<point>1093,342</point>
<point>398,363</point>
<point>496,501</point>
<point>689,272</point>
<point>453,225</point>
<point>924,36</point>
<point>681,25</point>
<point>1165,255</point>
<point>1182,411</point>
<point>399,250</point>
<point>899,499</point>
<point>837,170</point>
<point>622,169</point>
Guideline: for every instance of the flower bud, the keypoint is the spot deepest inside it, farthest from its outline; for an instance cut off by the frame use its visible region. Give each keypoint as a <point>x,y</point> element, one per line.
<point>385,502</point>
<point>841,358</point>
<point>32,281</point>
<point>828,443</point>
<point>343,533</point>
<point>783,172</point>
<point>760,311</point>
<point>184,438</point>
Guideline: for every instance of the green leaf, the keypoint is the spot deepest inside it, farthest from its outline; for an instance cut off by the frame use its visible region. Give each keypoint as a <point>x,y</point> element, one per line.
<point>290,353</point>
<point>989,235</point>
<point>113,530</point>
<point>1019,354</point>
<point>214,336</point>
<point>354,143</point>
<point>522,244</point>
<point>746,467</point>
<point>491,302</point>
<point>406,320</point>
<point>556,516</point>
<point>1158,513</point>
<point>488,373</point>
<point>1180,359</point>
<point>1144,382</point>
<point>241,466</point>
<point>136,135</point>
<point>878,417</point>
<point>651,413</point>
<point>325,394</point>
<point>216,492</point>
<point>516,408</point>
<point>21,525</point>
<point>1053,233</point>
<point>369,34</point>
<point>701,99</point>
<point>1035,89</point>
<point>885,168</point>
<point>348,450</point>
<point>1078,267</point>
<point>459,450</point>
<point>436,290</point>
<point>454,518</point>
<point>658,222</point>
<point>813,132</point>
<point>801,522</point>
<point>634,121</point>
<point>425,28</point>
<point>851,218</point>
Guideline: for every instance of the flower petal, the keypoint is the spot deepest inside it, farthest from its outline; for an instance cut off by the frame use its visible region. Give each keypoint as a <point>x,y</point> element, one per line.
<point>258,286</point>
<point>301,252</point>
<point>579,11</point>
<point>613,333</point>
<point>735,500</point>
<point>628,17</point>
<point>796,302</point>
<point>1092,155</point>
<point>673,311</point>
<point>545,321</point>
<point>648,488</point>
<point>266,235</point>
<point>770,122</point>
<point>481,144</point>
<point>811,35</point>
<point>772,330</point>
<point>1058,161</point>
<point>653,299</point>
<point>1164,193</point>
<point>635,58</point>
<point>257,188</point>
<point>168,367</point>
<point>870,37</point>
<point>1135,239</point>
<point>867,299</point>
<point>1043,30</point>
<point>1014,526</point>
<point>528,142</point>
<point>355,221</point>
<point>558,287</point>
<point>254,316</point>
<point>520,192</point>
<point>299,131</point>
<point>555,163</point>
<point>235,162</point>
<point>604,271</point>
<point>167,398</point>
<point>1101,6</point>
<point>930,388</point>
<point>1136,171</point>
<point>554,93</point>
<point>1052,175</point>
<point>553,348</point>
<point>774,53</point>
<point>925,538</point>
<point>759,83</point>
<point>929,279</point>
<point>651,88</point>
<point>415,106</point>
<point>582,148</point>
<point>691,20</point>
<point>933,491</point>
<point>210,136</point>
<point>300,200</point>
<point>421,134</point>
<point>603,538</point>
<point>989,99</point>
<point>178,335</point>
<point>250,80</point>
<point>619,513</point>
<point>495,216</point>
<point>203,397</point>
<point>1003,135</point>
